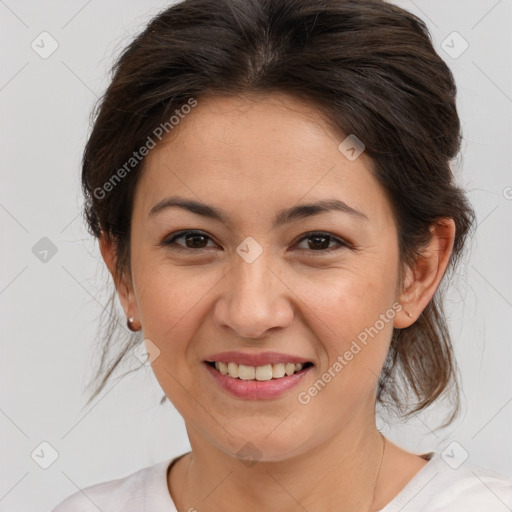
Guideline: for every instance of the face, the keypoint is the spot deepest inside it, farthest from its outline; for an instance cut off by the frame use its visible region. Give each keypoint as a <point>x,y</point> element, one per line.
<point>264,280</point>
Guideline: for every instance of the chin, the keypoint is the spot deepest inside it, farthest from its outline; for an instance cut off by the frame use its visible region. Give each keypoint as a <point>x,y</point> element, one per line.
<point>262,447</point>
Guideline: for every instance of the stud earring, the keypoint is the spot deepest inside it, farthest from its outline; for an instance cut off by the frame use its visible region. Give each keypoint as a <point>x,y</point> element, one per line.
<point>129,323</point>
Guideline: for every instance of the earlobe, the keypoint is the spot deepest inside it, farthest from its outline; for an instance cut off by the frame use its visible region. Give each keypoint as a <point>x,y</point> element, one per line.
<point>124,291</point>
<point>404,318</point>
<point>424,277</point>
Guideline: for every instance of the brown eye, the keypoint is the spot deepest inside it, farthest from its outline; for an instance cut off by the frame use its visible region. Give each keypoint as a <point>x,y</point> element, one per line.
<point>192,240</point>
<point>320,241</point>
<point>317,242</point>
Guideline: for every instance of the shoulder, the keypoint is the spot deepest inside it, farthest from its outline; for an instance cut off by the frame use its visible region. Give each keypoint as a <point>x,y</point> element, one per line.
<point>471,488</point>
<point>447,484</point>
<point>127,494</point>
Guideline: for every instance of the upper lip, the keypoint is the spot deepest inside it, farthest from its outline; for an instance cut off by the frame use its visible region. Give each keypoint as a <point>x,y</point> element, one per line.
<point>255,359</point>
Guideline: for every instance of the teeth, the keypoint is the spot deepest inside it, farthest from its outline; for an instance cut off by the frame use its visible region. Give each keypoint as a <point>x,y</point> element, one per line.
<point>261,373</point>
<point>233,370</point>
<point>278,371</point>
<point>264,372</point>
<point>246,372</point>
<point>222,367</point>
<point>289,368</point>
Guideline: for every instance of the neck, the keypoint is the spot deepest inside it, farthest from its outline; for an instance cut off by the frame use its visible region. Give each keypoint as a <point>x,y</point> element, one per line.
<point>337,475</point>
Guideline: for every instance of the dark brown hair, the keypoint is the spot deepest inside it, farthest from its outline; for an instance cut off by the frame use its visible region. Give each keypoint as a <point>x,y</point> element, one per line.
<point>368,66</point>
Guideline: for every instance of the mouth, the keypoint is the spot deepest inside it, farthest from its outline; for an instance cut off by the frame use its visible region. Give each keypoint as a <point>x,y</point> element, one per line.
<point>262,373</point>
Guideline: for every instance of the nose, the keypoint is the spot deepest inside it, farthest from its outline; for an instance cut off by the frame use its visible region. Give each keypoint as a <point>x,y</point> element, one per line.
<point>254,300</point>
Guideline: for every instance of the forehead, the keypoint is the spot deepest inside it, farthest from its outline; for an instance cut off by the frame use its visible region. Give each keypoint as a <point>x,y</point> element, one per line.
<point>256,152</point>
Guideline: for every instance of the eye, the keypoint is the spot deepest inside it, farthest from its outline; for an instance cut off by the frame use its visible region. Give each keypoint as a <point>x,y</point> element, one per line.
<point>197,240</point>
<point>193,240</point>
<point>320,241</point>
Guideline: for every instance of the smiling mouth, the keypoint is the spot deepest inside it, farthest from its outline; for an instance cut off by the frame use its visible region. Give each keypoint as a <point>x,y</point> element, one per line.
<point>258,373</point>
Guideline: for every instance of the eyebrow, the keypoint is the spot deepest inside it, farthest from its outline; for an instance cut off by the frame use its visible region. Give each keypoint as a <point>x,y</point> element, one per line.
<point>283,217</point>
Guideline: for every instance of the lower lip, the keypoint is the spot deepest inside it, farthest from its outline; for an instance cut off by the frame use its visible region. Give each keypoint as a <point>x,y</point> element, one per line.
<point>255,389</point>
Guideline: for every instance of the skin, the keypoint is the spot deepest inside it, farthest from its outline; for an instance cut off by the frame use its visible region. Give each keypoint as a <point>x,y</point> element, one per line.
<point>262,154</point>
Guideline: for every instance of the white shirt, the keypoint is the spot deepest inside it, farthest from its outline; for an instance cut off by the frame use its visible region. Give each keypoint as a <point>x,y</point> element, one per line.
<point>437,487</point>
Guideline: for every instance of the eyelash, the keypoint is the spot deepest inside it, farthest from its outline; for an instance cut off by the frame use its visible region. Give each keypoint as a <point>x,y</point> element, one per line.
<point>314,234</point>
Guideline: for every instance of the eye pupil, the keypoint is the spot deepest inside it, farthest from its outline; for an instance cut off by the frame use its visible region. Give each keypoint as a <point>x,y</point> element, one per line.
<point>320,246</point>
<point>195,237</point>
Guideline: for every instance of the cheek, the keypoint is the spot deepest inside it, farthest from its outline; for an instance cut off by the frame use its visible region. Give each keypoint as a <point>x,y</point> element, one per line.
<point>353,319</point>
<point>349,299</point>
<point>351,311</point>
<point>170,302</point>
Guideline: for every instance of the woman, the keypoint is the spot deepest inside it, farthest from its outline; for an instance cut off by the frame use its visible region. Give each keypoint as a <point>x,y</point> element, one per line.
<point>270,186</point>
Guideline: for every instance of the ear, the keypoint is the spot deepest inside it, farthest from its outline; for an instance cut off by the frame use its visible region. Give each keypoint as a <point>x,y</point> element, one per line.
<point>423,278</point>
<point>122,283</point>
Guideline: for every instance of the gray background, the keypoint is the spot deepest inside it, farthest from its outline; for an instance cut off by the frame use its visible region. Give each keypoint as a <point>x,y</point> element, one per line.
<point>50,309</point>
